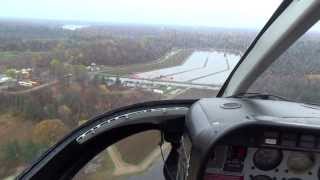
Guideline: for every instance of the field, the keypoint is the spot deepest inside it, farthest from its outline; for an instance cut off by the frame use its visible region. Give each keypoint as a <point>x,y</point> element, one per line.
<point>135,149</point>
<point>101,167</point>
<point>8,55</point>
<point>170,60</point>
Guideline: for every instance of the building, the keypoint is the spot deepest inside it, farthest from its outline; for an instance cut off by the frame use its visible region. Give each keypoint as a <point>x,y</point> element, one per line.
<point>6,82</point>
<point>158,91</point>
<point>4,78</point>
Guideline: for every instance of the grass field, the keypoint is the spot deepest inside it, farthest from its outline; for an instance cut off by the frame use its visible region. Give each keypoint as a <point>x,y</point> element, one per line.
<point>103,171</point>
<point>11,55</point>
<point>136,148</point>
<point>8,55</point>
<point>174,59</point>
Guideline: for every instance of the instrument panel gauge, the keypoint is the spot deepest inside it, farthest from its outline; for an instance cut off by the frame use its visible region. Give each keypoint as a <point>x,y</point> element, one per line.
<point>300,162</point>
<point>267,159</point>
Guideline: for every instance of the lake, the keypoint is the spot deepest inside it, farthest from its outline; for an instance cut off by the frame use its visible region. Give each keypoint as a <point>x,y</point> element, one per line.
<point>73,27</point>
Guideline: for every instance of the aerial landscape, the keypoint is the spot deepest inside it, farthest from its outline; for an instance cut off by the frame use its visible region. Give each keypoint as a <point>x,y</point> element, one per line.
<point>56,75</point>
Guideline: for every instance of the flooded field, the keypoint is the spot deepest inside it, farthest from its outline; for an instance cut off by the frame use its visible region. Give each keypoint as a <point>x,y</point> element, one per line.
<point>202,67</point>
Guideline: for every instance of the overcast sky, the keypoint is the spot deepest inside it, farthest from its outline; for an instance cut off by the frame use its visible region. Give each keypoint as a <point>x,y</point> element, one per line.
<point>221,13</point>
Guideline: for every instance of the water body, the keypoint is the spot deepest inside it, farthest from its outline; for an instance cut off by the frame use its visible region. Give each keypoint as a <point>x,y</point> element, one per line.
<point>202,67</point>
<point>73,27</point>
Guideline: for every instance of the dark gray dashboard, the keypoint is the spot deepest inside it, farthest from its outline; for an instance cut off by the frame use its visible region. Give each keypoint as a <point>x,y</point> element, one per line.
<point>255,124</point>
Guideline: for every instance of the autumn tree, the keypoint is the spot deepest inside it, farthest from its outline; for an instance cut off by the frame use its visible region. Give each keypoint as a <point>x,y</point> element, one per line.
<point>80,73</point>
<point>58,69</point>
<point>65,113</point>
<point>49,131</point>
<point>11,73</point>
<point>37,61</point>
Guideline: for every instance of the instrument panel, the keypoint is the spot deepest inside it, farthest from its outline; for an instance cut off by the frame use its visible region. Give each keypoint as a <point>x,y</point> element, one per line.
<point>240,163</point>
<point>253,139</point>
<point>268,155</point>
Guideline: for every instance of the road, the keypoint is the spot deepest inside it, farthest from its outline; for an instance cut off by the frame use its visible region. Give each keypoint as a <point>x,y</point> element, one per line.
<point>154,82</point>
<point>37,88</point>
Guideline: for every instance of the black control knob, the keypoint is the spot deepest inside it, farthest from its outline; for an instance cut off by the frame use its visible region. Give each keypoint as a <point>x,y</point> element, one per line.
<point>267,159</point>
<point>261,177</point>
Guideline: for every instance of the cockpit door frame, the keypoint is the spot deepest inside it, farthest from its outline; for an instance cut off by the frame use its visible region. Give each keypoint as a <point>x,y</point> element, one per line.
<point>68,156</point>
<point>289,22</point>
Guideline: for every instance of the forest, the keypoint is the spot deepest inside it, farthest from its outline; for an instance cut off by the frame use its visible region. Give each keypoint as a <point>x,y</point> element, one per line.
<point>107,45</point>
<point>295,74</point>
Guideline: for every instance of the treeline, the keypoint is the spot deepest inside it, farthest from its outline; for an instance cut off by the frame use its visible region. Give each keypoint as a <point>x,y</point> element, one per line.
<point>70,103</point>
<point>295,74</point>
<point>301,58</point>
<point>29,30</point>
<point>117,51</point>
<point>111,44</point>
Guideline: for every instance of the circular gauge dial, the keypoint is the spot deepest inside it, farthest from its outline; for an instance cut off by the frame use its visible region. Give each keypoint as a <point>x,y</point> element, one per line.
<point>261,177</point>
<point>300,162</point>
<point>267,159</point>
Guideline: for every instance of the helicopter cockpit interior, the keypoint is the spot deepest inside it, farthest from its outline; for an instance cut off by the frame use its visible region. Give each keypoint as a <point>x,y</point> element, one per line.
<point>234,136</point>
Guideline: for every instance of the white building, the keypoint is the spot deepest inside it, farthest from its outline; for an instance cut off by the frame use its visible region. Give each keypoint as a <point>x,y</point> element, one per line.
<point>4,78</point>
<point>158,91</point>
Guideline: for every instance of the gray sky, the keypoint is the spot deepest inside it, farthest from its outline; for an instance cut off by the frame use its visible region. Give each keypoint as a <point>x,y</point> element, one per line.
<point>220,13</point>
